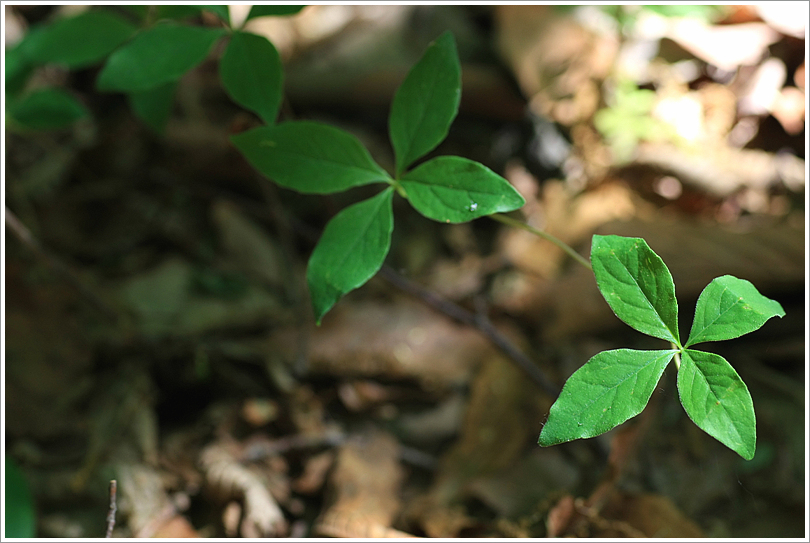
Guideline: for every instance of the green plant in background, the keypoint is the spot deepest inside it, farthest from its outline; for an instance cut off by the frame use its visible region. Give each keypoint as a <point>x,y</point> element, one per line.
<point>143,62</point>
<point>614,386</point>
<point>20,519</point>
<point>628,119</point>
<point>316,158</point>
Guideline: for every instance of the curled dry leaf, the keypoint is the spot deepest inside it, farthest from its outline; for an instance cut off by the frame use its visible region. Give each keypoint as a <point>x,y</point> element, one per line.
<point>262,517</point>
<point>364,489</point>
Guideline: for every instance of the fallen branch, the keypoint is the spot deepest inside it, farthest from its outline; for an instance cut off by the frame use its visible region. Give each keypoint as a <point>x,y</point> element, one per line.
<point>479,321</point>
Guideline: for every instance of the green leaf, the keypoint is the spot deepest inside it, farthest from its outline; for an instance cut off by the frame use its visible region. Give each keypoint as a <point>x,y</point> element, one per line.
<point>260,10</point>
<point>156,56</point>
<point>453,189</point>
<point>351,250</point>
<point>47,109</point>
<point>154,106</point>
<point>177,11</point>
<point>78,41</point>
<point>17,69</point>
<point>730,307</point>
<point>636,284</point>
<point>426,103</point>
<point>309,157</point>
<point>717,400</point>
<point>610,388</point>
<point>251,73</point>
<point>20,519</point>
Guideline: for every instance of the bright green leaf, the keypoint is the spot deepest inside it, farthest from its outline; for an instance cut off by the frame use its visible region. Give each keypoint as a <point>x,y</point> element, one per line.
<point>156,56</point>
<point>610,388</point>
<point>251,73</point>
<point>730,307</point>
<point>309,157</point>
<point>717,400</point>
<point>453,189</point>
<point>264,10</point>
<point>20,519</point>
<point>351,250</point>
<point>78,41</point>
<point>47,109</point>
<point>426,103</point>
<point>154,106</point>
<point>636,284</point>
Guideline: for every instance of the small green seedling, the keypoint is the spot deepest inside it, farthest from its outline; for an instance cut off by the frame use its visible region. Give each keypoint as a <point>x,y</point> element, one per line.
<point>316,158</point>
<point>614,386</point>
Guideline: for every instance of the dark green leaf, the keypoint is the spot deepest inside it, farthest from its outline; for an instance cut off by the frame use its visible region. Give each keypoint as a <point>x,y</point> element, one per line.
<point>251,72</point>
<point>351,250</point>
<point>610,388</point>
<point>47,109</point>
<point>156,56</point>
<point>717,400</point>
<point>636,284</point>
<point>20,519</point>
<point>260,10</point>
<point>78,41</point>
<point>154,106</point>
<point>177,11</point>
<point>730,307</point>
<point>309,157</point>
<point>426,103</point>
<point>453,189</point>
<point>17,69</point>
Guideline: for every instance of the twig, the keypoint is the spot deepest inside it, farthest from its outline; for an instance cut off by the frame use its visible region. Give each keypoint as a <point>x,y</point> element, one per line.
<point>480,322</point>
<point>113,507</point>
<point>24,235</point>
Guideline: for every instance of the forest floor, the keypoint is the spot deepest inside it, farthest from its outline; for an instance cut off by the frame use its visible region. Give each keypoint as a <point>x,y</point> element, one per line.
<point>159,333</point>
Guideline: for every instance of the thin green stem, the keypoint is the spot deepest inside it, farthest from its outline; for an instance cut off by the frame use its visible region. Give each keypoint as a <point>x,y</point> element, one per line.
<point>677,356</point>
<point>545,235</point>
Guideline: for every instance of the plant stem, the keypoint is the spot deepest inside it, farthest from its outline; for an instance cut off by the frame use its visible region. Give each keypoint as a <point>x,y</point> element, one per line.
<point>545,235</point>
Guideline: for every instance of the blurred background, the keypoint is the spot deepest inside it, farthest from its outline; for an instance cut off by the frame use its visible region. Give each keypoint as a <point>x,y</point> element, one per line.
<point>158,329</point>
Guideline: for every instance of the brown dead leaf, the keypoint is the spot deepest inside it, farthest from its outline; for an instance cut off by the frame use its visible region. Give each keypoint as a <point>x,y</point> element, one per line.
<point>652,514</point>
<point>364,489</point>
<point>404,339</point>
<point>262,516</point>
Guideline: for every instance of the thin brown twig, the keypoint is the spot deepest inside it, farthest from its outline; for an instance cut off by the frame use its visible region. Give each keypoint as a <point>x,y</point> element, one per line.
<point>26,238</point>
<point>479,321</point>
<point>113,507</point>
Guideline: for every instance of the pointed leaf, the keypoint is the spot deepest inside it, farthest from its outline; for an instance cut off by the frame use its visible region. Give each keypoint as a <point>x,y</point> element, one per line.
<point>78,41</point>
<point>260,10</point>
<point>351,250</point>
<point>309,157</point>
<point>47,109</point>
<point>426,103</point>
<point>157,56</point>
<point>636,284</point>
<point>251,73</point>
<point>730,307</point>
<point>717,400</point>
<point>154,106</point>
<point>610,388</point>
<point>453,189</point>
